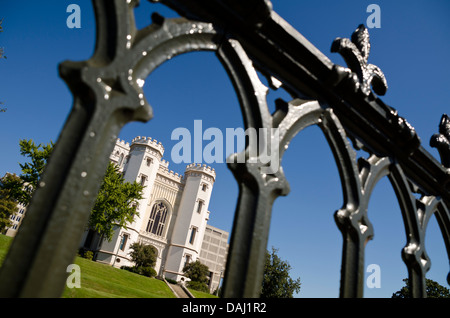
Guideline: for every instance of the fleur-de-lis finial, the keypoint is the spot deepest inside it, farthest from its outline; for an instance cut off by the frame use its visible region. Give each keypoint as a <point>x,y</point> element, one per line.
<point>441,141</point>
<point>356,54</point>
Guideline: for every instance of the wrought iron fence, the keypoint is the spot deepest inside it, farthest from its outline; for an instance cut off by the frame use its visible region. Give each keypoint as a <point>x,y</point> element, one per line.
<point>246,36</point>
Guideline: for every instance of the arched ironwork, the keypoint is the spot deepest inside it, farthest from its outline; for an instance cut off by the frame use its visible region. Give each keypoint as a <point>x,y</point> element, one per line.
<point>246,36</point>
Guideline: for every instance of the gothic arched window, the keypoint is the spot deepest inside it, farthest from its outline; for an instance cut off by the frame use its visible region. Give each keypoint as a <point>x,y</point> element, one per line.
<point>157,219</point>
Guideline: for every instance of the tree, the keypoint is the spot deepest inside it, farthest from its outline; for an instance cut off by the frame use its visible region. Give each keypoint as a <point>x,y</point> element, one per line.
<point>116,203</point>
<point>276,282</point>
<point>198,274</point>
<point>433,289</point>
<point>21,189</point>
<point>32,171</point>
<point>8,206</point>
<point>144,258</point>
<point>143,255</point>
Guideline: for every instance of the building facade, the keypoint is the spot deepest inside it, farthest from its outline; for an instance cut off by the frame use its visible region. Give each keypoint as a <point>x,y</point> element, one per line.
<point>214,253</point>
<point>173,212</point>
<point>16,220</point>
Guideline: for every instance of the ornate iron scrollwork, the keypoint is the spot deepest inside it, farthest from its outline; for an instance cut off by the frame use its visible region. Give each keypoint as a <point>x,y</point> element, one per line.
<point>108,93</point>
<point>441,141</point>
<point>356,54</point>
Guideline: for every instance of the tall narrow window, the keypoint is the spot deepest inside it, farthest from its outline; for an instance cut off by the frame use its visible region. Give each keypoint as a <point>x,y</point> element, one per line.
<point>200,206</point>
<point>193,232</point>
<point>187,259</point>
<point>157,219</point>
<point>143,179</point>
<point>123,242</point>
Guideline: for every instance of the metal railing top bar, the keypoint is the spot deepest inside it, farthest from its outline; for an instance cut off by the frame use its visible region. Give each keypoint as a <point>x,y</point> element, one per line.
<point>278,50</point>
<point>246,36</point>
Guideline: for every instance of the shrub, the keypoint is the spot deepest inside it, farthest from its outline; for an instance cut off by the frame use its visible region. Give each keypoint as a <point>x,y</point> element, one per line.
<point>132,269</point>
<point>143,255</point>
<point>196,271</point>
<point>141,270</point>
<point>198,286</point>
<point>88,255</point>
<point>147,271</point>
<point>85,253</point>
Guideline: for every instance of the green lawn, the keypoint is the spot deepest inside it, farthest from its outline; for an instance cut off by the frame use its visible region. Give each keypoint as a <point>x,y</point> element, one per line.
<point>5,242</point>
<point>199,294</point>
<point>103,281</point>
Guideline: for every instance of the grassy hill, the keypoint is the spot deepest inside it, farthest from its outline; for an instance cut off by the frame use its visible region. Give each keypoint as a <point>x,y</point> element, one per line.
<point>5,242</point>
<point>103,281</point>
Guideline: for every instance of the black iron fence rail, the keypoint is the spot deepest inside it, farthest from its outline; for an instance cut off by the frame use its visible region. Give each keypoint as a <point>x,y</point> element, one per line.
<point>246,36</point>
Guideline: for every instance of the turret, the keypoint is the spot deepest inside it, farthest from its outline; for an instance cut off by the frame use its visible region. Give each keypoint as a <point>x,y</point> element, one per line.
<point>191,219</point>
<point>139,161</point>
<point>142,166</point>
<point>120,153</point>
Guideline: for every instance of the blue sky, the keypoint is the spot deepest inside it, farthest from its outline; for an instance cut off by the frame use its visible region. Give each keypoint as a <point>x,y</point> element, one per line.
<point>411,48</point>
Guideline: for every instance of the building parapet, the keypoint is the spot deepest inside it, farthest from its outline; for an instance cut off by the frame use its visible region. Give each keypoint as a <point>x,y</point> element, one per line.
<point>149,141</point>
<point>203,168</point>
<point>175,176</point>
<point>123,143</point>
<point>164,163</point>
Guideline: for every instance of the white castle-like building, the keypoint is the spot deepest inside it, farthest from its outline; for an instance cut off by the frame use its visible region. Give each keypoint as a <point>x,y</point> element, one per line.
<point>173,214</point>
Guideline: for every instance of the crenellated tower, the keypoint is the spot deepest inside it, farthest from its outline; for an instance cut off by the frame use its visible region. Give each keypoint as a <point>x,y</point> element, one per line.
<point>173,211</point>
<point>138,161</point>
<point>192,216</point>
<point>141,166</point>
